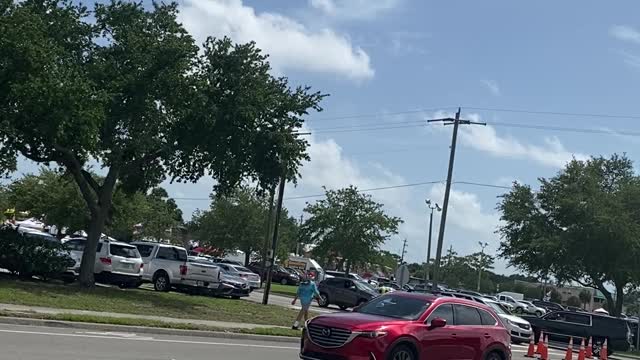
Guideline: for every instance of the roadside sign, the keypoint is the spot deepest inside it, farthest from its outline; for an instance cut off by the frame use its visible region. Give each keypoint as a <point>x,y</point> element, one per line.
<point>402,275</point>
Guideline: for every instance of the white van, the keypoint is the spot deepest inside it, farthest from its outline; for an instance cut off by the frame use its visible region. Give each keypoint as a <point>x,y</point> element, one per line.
<point>309,266</point>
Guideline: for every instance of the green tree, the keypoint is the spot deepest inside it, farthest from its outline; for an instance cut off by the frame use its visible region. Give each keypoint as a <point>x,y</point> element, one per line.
<point>582,225</point>
<point>348,224</point>
<point>555,296</point>
<point>51,197</point>
<point>585,298</point>
<point>480,262</point>
<point>127,87</point>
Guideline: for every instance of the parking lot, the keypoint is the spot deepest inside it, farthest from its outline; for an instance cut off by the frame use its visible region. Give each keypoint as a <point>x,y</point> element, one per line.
<point>45,343</point>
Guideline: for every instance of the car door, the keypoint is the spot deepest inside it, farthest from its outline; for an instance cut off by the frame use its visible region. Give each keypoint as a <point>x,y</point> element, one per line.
<point>440,343</point>
<point>350,293</point>
<point>169,259</point>
<point>146,252</point>
<point>470,333</point>
<point>569,324</point>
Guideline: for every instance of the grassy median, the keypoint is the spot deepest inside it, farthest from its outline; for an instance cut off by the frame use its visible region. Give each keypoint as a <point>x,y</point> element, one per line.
<point>141,302</point>
<point>287,290</point>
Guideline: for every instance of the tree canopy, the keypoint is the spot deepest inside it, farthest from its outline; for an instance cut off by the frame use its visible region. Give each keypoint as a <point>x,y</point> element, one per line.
<point>582,225</point>
<point>128,88</point>
<point>348,224</point>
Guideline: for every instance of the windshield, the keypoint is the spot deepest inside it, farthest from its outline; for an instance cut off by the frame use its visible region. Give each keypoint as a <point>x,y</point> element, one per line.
<point>364,286</point>
<point>499,309</point>
<point>243,269</point>
<point>395,306</point>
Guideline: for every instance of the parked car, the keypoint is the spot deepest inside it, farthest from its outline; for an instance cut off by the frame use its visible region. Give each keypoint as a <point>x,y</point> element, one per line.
<point>116,262</point>
<point>341,274</point>
<point>563,325</point>
<point>167,267</point>
<point>533,309</point>
<point>278,274</point>
<point>408,326</point>
<point>519,328</point>
<point>252,278</point>
<point>548,305</point>
<point>232,286</point>
<point>345,293</point>
<point>517,306</point>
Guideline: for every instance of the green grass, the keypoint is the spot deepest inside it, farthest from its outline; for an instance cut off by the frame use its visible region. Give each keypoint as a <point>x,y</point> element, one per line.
<point>288,290</point>
<point>141,302</point>
<point>149,323</point>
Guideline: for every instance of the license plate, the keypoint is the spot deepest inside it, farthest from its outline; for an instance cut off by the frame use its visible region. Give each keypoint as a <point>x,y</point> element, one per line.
<point>127,266</point>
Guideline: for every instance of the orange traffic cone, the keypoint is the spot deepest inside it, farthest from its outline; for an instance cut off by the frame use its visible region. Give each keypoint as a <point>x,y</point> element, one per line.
<point>589,354</point>
<point>569,353</point>
<point>604,351</point>
<point>531,352</point>
<point>581,354</point>
<point>540,348</point>
<point>545,356</point>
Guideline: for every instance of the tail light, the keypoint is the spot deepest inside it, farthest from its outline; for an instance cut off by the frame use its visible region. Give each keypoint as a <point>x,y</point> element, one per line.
<point>105,260</point>
<point>183,269</point>
<point>141,265</point>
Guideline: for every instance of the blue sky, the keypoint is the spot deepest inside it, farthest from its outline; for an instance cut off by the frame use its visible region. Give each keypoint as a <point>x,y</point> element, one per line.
<point>389,56</point>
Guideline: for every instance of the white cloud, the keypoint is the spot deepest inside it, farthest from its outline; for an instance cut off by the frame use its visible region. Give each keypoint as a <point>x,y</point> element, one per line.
<point>290,45</point>
<point>625,33</point>
<point>493,87</point>
<point>353,9</point>
<point>466,212</point>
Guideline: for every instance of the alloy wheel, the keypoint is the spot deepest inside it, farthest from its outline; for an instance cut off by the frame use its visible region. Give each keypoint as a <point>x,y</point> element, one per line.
<point>403,355</point>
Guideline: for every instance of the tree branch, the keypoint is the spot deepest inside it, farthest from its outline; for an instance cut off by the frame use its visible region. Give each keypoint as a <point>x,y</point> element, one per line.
<point>91,181</point>
<point>72,163</point>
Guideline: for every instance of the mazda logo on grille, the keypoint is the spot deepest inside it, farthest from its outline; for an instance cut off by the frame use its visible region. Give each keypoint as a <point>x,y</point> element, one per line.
<point>326,332</point>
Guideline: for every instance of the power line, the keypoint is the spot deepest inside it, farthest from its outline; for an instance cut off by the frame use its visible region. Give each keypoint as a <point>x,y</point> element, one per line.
<point>372,189</point>
<point>386,114</point>
<point>555,113</point>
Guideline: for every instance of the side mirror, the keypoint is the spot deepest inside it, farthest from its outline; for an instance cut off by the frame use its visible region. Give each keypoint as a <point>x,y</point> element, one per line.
<point>438,323</point>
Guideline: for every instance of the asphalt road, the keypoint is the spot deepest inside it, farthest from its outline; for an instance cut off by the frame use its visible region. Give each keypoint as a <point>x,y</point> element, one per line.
<point>46,343</point>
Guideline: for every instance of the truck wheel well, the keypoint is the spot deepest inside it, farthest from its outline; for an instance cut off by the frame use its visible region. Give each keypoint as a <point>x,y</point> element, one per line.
<point>158,273</point>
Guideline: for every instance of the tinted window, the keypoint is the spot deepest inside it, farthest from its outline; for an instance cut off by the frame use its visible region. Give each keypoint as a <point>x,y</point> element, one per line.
<point>124,251</point>
<point>577,318</point>
<point>145,250</point>
<point>334,282</point>
<point>170,253</point>
<point>242,269</point>
<point>486,318</point>
<point>466,315</point>
<point>398,307</point>
<point>444,312</point>
<point>75,245</point>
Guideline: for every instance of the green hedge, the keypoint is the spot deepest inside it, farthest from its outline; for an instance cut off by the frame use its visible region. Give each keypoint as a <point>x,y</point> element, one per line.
<point>26,256</point>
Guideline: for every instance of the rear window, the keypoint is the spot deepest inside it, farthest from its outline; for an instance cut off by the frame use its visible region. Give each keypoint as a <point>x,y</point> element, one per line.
<point>75,245</point>
<point>171,253</point>
<point>124,251</point>
<point>145,250</point>
<point>397,307</point>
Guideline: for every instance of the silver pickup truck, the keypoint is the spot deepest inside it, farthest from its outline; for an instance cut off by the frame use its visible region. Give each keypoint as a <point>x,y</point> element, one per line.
<point>166,266</point>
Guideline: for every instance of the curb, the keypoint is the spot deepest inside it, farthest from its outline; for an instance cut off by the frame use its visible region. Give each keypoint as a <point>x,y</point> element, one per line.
<point>145,330</point>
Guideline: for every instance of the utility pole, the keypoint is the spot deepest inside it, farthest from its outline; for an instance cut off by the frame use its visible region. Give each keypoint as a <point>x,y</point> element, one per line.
<point>271,254</point>
<point>404,251</point>
<point>426,266</point>
<point>445,205</point>
<point>263,263</point>
<point>481,262</point>
<point>299,245</point>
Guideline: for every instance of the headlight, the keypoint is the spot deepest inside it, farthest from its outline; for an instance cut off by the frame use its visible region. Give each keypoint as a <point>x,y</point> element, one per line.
<point>372,334</point>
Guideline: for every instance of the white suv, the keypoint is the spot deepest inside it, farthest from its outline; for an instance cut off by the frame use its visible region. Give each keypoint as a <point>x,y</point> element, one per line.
<point>116,262</point>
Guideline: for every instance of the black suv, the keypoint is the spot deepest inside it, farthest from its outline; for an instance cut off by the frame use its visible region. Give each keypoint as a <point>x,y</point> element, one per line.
<point>345,293</point>
<point>560,326</point>
<point>278,274</point>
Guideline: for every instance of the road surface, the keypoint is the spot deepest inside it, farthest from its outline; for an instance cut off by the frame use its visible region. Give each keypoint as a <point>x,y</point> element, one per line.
<point>46,343</point>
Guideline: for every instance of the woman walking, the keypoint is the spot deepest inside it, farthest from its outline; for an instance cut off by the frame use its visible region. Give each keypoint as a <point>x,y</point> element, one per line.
<point>307,291</point>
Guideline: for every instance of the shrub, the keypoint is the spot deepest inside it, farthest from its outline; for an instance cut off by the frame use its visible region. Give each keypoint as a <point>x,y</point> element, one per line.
<point>32,255</point>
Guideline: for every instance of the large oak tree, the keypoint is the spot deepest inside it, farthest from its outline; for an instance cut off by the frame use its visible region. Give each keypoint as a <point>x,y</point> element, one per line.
<point>582,225</point>
<point>127,88</point>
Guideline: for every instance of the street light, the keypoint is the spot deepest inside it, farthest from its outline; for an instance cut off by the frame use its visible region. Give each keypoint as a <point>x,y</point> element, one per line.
<point>426,267</point>
<point>482,246</point>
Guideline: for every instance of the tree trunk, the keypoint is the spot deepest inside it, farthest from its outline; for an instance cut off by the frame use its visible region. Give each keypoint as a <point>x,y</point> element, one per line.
<point>247,257</point>
<point>611,305</point>
<point>619,300</point>
<point>96,226</point>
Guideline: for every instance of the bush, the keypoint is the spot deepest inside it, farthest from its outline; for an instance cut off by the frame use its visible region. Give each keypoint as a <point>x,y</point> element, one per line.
<point>28,256</point>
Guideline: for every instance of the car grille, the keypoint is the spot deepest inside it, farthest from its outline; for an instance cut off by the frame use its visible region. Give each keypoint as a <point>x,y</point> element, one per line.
<point>524,326</point>
<point>327,336</point>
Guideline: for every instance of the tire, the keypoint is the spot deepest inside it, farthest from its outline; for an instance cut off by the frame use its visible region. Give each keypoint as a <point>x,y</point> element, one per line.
<point>284,282</point>
<point>161,282</point>
<point>494,355</point>
<point>538,313</point>
<point>324,300</point>
<point>519,310</point>
<point>402,352</point>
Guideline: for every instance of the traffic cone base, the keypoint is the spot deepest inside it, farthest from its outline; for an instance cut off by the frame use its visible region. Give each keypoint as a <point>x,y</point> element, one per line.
<point>545,356</point>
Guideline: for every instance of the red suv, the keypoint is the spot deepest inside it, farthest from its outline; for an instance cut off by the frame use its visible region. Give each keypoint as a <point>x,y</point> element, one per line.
<point>408,326</point>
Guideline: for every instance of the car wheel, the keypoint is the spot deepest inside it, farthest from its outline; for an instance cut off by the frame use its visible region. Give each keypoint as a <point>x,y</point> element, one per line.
<point>284,282</point>
<point>402,352</point>
<point>161,282</point>
<point>324,300</point>
<point>494,355</point>
<point>519,310</point>
<point>538,313</point>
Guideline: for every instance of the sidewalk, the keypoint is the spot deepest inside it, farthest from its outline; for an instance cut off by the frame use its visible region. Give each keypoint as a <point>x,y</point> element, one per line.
<point>209,323</point>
